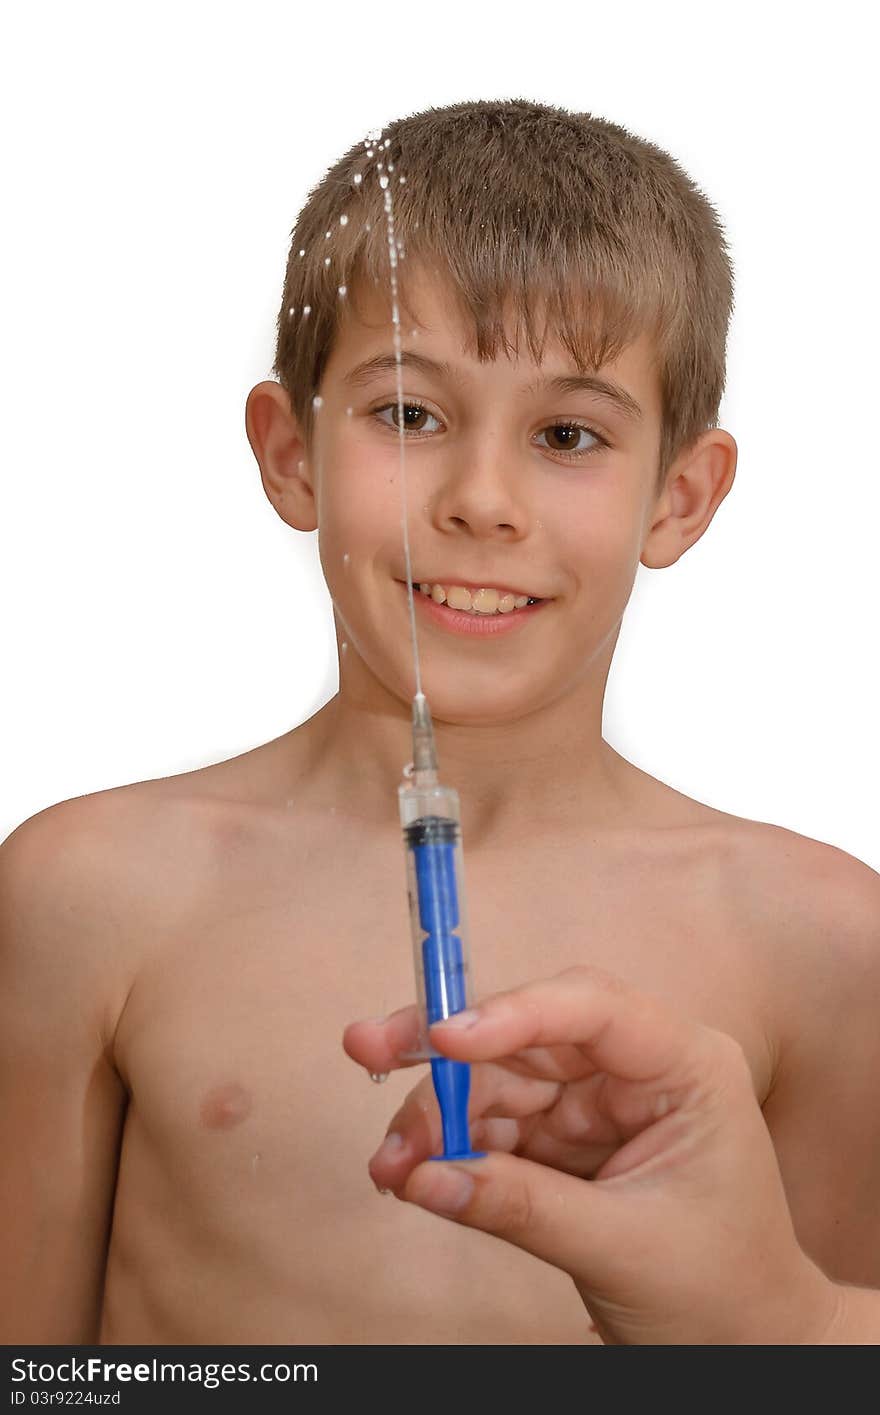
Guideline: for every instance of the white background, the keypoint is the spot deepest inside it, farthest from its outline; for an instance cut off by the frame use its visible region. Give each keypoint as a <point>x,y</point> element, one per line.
<point>157,614</point>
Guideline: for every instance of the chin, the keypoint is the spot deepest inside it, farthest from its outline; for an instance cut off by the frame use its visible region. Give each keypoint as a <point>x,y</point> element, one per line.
<point>475,709</point>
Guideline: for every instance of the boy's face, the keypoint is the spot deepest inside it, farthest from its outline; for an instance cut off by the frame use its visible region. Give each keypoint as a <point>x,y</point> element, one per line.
<point>493,500</point>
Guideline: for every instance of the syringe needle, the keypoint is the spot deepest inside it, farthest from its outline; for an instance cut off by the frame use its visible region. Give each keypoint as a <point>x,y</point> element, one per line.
<point>424,746</point>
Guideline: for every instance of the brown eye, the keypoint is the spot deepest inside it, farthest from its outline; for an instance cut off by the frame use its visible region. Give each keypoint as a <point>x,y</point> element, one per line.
<point>413,417</point>
<point>565,437</point>
<point>567,440</point>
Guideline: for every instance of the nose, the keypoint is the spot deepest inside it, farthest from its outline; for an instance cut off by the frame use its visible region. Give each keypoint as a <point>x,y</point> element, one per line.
<point>482,493</point>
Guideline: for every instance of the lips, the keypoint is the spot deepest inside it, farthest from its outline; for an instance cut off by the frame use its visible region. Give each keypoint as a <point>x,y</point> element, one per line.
<point>471,624</point>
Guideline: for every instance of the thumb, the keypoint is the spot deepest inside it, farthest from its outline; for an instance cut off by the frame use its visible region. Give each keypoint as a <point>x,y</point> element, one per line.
<point>569,1222</point>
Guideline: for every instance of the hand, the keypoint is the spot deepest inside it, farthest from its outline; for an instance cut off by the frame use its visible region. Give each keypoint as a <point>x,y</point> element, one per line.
<point>683,1234</point>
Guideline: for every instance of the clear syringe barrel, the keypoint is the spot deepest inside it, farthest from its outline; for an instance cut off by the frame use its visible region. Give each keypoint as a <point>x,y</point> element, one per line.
<point>431,819</point>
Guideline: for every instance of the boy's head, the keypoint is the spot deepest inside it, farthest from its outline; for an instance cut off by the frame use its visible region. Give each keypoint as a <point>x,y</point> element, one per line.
<point>535,246</point>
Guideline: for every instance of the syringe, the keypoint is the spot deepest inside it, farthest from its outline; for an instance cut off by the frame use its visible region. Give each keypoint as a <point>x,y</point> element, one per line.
<point>431,818</point>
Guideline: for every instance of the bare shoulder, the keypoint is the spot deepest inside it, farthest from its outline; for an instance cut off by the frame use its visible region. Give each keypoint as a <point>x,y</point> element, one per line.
<point>804,917</point>
<point>814,901</point>
<point>85,884</point>
<point>142,851</point>
<point>59,882</point>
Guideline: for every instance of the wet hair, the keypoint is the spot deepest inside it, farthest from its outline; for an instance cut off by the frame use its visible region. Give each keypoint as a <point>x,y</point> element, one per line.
<point>571,224</point>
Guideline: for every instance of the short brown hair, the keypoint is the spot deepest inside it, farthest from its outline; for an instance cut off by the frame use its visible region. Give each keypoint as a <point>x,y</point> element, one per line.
<point>515,201</point>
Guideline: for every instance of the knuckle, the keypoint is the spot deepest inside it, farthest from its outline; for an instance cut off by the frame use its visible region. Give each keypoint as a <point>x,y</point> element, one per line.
<point>597,977</point>
<point>516,1211</point>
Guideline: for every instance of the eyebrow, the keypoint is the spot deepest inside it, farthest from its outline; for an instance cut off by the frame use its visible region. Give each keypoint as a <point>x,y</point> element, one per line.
<point>569,383</point>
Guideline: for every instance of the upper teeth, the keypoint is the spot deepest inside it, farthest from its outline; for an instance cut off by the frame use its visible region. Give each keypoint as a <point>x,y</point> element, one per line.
<point>486,601</point>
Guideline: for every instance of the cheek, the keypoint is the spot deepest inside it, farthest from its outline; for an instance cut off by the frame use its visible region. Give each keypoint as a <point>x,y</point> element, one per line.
<point>359,517</point>
<point>601,533</point>
<point>601,543</point>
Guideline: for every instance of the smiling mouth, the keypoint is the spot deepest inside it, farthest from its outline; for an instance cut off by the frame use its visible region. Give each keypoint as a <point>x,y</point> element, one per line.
<point>480,601</point>
<point>475,623</point>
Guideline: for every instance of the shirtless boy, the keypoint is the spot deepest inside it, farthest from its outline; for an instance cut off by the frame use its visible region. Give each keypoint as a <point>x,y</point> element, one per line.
<point>185,1143</point>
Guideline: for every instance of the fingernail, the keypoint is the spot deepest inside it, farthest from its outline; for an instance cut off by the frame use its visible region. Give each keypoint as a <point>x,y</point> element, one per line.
<point>390,1146</point>
<point>460,1019</point>
<point>451,1191</point>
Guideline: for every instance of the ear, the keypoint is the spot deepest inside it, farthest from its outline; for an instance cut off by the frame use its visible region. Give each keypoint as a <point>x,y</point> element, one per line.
<point>696,484</point>
<point>277,443</point>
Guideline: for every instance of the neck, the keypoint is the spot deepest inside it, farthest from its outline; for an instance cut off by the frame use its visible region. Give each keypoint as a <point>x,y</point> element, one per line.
<point>551,767</point>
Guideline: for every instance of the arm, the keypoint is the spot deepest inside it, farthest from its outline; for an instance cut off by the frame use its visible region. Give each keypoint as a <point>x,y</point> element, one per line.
<point>61,1101</point>
<point>822,1109</point>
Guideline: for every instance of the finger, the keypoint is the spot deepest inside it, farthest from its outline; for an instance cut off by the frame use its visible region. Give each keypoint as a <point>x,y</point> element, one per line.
<point>625,1033</point>
<point>576,1134</point>
<point>387,1044</point>
<point>576,1226</point>
<point>415,1132</point>
<point>557,1063</point>
<point>397,1157</point>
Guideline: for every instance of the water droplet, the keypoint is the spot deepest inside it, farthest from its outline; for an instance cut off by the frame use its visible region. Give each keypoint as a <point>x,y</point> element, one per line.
<point>357,179</point>
<point>378,1077</point>
<point>387,142</point>
<point>379,166</point>
<point>343,290</point>
<point>383,1192</point>
<point>344,647</point>
<point>317,401</point>
<point>326,235</point>
<point>369,152</point>
<point>383,182</point>
<point>326,260</point>
<point>291,312</point>
<point>390,166</point>
<point>402,181</point>
<point>346,559</point>
<point>307,309</point>
<point>300,465</point>
<point>302,252</point>
<point>343,220</point>
<point>366,226</point>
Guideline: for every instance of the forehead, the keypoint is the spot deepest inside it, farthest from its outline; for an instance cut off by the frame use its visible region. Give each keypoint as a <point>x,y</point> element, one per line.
<point>433,323</point>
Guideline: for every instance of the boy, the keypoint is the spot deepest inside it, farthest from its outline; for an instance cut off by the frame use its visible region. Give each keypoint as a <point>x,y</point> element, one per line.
<point>185,1141</point>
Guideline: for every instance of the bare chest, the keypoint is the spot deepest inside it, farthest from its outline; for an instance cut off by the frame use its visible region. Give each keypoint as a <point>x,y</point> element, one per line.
<point>249,1129</point>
